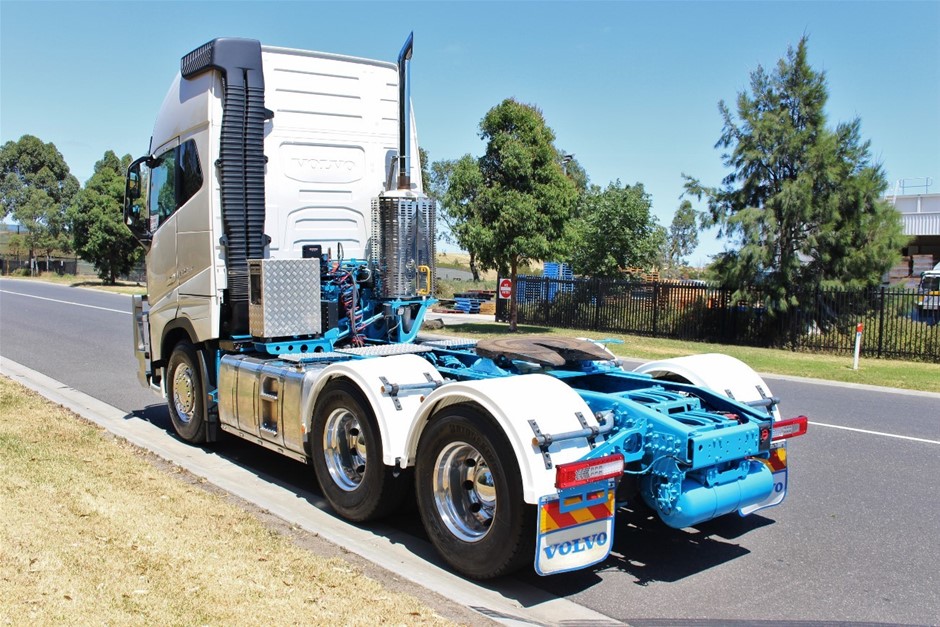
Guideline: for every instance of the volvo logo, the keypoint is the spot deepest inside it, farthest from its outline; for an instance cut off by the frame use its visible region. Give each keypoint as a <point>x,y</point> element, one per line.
<point>342,165</point>
<point>577,545</point>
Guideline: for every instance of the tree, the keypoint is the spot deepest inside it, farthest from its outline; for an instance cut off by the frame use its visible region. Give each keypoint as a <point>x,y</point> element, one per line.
<point>614,230</point>
<point>97,220</point>
<point>42,223</point>
<point>513,202</point>
<point>36,188</point>
<point>683,235</point>
<point>425,172</point>
<point>451,215</point>
<point>574,171</point>
<point>456,183</point>
<point>801,205</point>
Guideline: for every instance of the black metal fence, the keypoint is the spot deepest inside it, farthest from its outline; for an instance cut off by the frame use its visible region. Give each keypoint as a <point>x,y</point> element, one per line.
<point>9,264</point>
<point>19,264</point>
<point>895,326</point>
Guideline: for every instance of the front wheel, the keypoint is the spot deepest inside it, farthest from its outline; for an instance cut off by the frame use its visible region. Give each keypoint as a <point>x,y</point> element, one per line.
<point>184,393</point>
<point>469,492</point>
<point>346,448</point>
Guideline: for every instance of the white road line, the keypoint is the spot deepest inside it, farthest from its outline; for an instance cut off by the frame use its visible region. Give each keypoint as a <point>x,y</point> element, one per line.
<point>887,435</point>
<point>67,302</point>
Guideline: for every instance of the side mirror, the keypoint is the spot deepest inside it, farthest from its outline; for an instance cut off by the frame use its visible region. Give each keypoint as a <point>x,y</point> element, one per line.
<point>136,210</point>
<point>132,189</point>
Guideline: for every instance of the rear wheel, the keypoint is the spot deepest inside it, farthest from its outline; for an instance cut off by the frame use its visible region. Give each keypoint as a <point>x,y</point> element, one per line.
<point>469,491</point>
<point>346,448</point>
<point>185,393</point>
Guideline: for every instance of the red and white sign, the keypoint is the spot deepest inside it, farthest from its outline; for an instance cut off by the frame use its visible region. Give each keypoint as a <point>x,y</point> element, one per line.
<point>505,288</point>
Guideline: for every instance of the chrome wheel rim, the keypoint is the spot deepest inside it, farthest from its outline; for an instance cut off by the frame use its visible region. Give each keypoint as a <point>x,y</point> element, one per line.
<point>344,449</point>
<point>464,491</point>
<point>184,397</point>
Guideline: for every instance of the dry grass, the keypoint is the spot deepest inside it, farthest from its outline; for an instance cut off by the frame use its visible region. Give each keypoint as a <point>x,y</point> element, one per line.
<point>461,261</point>
<point>93,533</point>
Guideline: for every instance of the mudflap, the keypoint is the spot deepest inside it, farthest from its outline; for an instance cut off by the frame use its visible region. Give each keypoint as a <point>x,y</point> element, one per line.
<point>573,534</point>
<point>778,466</point>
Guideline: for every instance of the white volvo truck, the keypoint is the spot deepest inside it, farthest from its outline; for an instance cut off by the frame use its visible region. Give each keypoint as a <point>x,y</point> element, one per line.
<point>290,263</point>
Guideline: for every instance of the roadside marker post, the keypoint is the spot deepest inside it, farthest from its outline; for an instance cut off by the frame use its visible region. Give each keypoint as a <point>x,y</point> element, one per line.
<point>858,343</point>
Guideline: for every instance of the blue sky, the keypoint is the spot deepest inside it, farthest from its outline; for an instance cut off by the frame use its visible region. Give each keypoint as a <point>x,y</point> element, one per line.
<point>631,88</point>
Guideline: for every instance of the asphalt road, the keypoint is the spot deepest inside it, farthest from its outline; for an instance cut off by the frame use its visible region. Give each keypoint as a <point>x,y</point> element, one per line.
<point>858,539</point>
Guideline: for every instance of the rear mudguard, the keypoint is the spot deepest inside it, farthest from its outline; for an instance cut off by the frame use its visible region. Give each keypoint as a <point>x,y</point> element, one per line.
<point>721,373</point>
<point>513,402</point>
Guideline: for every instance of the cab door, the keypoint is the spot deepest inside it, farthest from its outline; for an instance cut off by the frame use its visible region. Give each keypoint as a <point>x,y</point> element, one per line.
<point>162,273</point>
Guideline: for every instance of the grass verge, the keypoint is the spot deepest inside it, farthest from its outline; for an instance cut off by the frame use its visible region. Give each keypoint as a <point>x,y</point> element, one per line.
<point>121,287</point>
<point>95,533</point>
<point>891,373</point>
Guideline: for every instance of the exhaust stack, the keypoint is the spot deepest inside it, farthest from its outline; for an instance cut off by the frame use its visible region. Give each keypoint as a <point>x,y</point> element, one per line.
<point>404,113</point>
<point>403,224</point>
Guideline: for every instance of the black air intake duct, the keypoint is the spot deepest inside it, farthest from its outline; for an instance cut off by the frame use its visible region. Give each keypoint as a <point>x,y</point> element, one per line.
<point>241,160</point>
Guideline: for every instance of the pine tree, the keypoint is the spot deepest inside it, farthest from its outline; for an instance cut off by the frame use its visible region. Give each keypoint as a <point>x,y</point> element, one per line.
<point>801,207</point>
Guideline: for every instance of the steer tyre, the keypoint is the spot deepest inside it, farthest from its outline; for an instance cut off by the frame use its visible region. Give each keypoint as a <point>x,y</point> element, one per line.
<point>185,394</point>
<point>346,448</point>
<point>469,492</point>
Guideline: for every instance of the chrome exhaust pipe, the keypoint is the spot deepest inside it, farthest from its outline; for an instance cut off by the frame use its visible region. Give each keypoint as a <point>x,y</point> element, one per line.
<point>404,113</point>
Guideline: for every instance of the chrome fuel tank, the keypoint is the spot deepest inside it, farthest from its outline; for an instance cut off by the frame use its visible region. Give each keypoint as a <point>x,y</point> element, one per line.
<point>264,401</point>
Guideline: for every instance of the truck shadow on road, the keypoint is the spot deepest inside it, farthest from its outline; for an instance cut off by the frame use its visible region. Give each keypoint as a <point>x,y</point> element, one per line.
<point>649,551</point>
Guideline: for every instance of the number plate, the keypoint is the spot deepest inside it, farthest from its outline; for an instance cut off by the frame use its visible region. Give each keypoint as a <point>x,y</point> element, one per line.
<point>574,539</point>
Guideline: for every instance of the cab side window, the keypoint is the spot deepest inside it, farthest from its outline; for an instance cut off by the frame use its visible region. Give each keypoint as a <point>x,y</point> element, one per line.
<point>174,178</point>
<point>190,172</point>
<point>163,186</point>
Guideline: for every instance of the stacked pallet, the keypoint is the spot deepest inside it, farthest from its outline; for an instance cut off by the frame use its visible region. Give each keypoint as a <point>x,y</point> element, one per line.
<point>467,305</point>
<point>900,270</point>
<point>921,263</point>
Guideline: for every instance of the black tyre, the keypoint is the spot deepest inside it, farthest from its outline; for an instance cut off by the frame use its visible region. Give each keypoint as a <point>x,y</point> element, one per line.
<point>346,449</point>
<point>185,394</point>
<point>469,492</point>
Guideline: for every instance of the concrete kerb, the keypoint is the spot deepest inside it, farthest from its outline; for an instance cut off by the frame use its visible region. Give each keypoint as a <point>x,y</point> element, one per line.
<point>385,547</point>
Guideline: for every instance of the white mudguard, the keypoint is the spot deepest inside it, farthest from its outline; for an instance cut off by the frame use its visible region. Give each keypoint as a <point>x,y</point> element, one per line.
<point>513,402</point>
<point>394,419</point>
<point>722,373</point>
<point>733,378</point>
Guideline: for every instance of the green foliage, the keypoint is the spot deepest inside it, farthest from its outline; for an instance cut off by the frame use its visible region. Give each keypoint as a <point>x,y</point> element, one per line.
<point>683,235</point>
<point>36,187</point>
<point>518,194</point>
<point>455,183</point>
<point>801,206</point>
<point>451,217</point>
<point>435,186</point>
<point>614,230</point>
<point>575,171</point>
<point>425,173</point>
<point>97,221</point>
<point>511,205</point>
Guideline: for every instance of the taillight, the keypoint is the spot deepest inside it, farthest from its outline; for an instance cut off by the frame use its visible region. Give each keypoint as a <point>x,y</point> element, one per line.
<point>790,428</point>
<point>589,471</point>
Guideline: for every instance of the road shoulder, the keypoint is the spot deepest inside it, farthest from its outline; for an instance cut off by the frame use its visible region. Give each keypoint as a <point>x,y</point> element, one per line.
<point>403,561</point>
